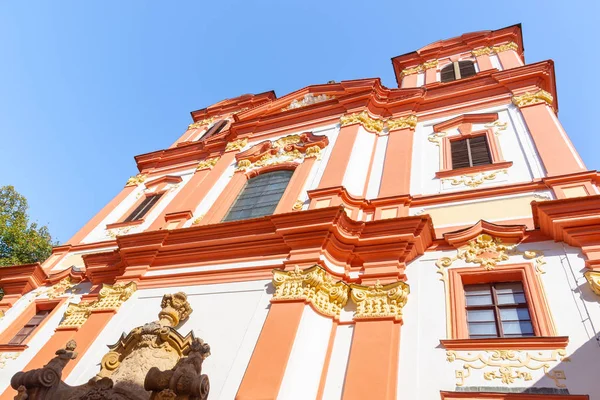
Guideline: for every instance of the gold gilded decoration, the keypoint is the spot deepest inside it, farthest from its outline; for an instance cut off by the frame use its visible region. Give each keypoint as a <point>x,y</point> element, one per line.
<point>474,180</point>
<point>175,308</point>
<point>541,96</point>
<point>593,278</point>
<point>209,163</point>
<point>409,121</point>
<point>198,219</point>
<point>363,118</point>
<point>201,123</point>
<point>7,357</point>
<point>494,49</point>
<point>236,145</point>
<point>307,100</point>
<point>136,180</point>
<point>298,205</point>
<point>380,300</point>
<point>59,289</point>
<point>313,151</point>
<point>313,285</point>
<point>508,365</point>
<point>287,140</point>
<point>270,159</point>
<point>487,251</point>
<point>419,68</point>
<point>436,137</point>
<point>110,297</point>
<point>113,233</point>
<point>497,126</point>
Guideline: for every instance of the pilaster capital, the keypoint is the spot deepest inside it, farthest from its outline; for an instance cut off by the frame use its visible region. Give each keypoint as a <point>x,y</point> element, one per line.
<point>420,68</point>
<point>529,98</point>
<point>313,285</point>
<point>135,180</point>
<point>110,297</point>
<point>409,121</point>
<point>486,51</point>
<point>363,118</point>
<point>380,301</point>
<point>201,123</point>
<point>593,278</point>
<point>209,163</point>
<point>236,144</point>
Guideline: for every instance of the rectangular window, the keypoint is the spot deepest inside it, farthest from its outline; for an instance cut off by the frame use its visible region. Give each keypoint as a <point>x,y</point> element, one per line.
<point>29,327</point>
<point>497,310</point>
<point>143,208</point>
<point>470,152</point>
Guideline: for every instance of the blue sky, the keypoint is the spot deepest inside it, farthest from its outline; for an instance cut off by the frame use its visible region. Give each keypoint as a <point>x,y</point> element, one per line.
<point>86,85</point>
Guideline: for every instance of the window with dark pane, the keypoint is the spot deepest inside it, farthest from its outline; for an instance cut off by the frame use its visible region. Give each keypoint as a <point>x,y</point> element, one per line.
<point>466,69</point>
<point>447,73</point>
<point>143,208</point>
<point>29,327</point>
<point>470,152</point>
<point>213,130</point>
<point>457,70</point>
<point>497,310</point>
<point>260,196</point>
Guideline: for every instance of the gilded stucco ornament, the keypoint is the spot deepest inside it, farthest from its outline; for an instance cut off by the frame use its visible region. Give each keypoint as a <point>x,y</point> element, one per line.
<point>7,357</point>
<point>436,137</point>
<point>307,100</point>
<point>494,49</point>
<point>363,118</point>
<point>474,180</point>
<point>593,278</point>
<point>419,68</point>
<point>487,251</point>
<point>313,151</point>
<point>507,366</point>
<point>58,289</point>
<point>497,126</point>
<point>110,297</point>
<point>201,123</point>
<point>209,163</point>
<point>287,140</point>
<point>379,300</point>
<point>237,144</point>
<point>314,285</point>
<point>541,96</point>
<point>409,121</point>
<point>136,180</point>
<point>197,220</point>
<point>298,205</point>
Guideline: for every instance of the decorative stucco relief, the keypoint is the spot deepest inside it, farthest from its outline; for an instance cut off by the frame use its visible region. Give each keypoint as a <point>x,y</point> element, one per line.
<point>315,286</point>
<point>110,297</point>
<point>419,68</point>
<point>541,96</point>
<point>509,366</point>
<point>58,289</point>
<point>494,49</point>
<point>377,125</point>
<point>380,301</point>
<point>593,278</point>
<point>497,127</point>
<point>236,145</point>
<point>474,180</point>
<point>136,180</point>
<point>487,251</point>
<point>291,148</point>
<point>7,357</point>
<point>209,163</point>
<point>307,100</point>
<point>201,123</point>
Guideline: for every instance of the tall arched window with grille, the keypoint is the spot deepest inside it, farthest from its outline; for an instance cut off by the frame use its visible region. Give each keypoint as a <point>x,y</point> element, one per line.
<point>260,196</point>
<point>457,70</point>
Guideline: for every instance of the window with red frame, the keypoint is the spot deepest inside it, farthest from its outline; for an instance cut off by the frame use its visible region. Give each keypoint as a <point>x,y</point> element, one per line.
<point>145,206</point>
<point>29,327</point>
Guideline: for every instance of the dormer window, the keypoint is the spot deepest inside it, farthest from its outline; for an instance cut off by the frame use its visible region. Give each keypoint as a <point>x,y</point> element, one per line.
<point>458,70</point>
<point>214,129</point>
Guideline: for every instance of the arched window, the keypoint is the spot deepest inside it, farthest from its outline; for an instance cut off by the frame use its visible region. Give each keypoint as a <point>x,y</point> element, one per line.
<point>260,196</point>
<point>457,70</point>
<point>214,129</point>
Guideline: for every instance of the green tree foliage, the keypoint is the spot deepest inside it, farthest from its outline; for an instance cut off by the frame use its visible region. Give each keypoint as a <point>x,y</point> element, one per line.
<point>21,242</point>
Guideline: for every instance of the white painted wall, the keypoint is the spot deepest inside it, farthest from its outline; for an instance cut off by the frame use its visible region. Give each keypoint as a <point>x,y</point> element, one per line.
<point>305,365</point>
<point>575,310</point>
<point>228,317</point>
<point>360,160</point>
<point>514,142</point>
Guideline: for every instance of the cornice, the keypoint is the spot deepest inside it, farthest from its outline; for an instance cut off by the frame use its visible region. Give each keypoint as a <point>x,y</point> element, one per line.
<point>20,279</point>
<point>328,229</point>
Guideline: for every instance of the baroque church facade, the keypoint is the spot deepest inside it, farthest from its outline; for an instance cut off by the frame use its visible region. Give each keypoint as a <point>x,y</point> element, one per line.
<point>438,240</point>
